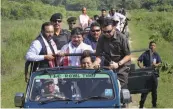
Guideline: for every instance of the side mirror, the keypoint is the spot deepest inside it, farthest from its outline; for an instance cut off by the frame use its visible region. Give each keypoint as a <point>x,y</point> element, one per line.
<point>19,99</point>
<point>125,96</point>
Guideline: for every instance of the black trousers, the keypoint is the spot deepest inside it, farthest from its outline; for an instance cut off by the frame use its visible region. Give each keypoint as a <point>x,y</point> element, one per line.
<point>122,74</point>
<point>153,93</point>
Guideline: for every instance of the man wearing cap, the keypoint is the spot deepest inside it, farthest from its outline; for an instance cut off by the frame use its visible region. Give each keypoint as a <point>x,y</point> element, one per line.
<point>116,20</point>
<point>84,19</point>
<point>61,36</point>
<point>117,52</point>
<point>71,22</point>
<point>76,45</point>
<point>49,91</point>
<point>121,18</point>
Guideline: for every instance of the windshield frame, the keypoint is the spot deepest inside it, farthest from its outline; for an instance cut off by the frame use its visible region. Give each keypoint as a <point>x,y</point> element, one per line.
<point>114,96</point>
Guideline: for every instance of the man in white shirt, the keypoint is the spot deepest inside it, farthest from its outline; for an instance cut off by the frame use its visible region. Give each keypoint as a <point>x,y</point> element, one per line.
<point>42,49</point>
<point>76,45</point>
<point>121,22</point>
<point>118,16</point>
<point>84,19</point>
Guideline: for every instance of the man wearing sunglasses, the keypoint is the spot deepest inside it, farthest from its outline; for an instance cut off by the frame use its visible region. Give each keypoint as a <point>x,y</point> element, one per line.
<point>115,45</point>
<point>71,22</point>
<point>93,36</point>
<point>61,36</point>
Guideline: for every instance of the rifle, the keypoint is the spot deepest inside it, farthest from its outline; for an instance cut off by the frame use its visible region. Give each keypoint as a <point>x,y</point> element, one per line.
<point>126,23</point>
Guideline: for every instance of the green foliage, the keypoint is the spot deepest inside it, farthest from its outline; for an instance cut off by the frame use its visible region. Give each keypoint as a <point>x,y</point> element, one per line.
<point>159,29</point>
<point>28,10</point>
<point>76,5</point>
<point>132,4</point>
<point>164,7</point>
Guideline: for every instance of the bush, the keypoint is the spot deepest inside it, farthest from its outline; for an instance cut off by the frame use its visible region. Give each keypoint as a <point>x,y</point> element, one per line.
<point>28,10</point>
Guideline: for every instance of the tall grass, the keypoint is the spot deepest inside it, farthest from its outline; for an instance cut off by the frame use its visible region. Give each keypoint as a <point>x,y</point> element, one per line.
<point>16,37</point>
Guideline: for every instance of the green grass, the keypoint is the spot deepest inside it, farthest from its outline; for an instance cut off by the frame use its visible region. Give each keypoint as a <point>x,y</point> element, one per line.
<point>140,35</point>
<point>9,87</point>
<point>16,38</point>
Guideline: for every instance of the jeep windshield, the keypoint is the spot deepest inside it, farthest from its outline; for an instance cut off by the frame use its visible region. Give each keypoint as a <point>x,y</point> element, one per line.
<point>72,86</point>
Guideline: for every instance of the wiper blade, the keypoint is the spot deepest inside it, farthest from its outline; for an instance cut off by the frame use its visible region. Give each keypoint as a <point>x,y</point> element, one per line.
<point>91,97</point>
<point>53,99</point>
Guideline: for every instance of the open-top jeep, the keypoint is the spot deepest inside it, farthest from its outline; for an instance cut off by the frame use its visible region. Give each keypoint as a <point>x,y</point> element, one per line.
<point>82,88</point>
<point>75,88</point>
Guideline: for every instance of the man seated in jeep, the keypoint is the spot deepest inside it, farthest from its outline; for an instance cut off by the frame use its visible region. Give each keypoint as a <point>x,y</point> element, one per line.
<point>86,62</point>
<point>48,91</point>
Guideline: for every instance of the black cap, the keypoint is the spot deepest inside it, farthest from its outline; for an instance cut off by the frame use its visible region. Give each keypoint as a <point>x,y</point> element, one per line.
<point>71,19</point>
<point>48,81</point>
<point>56,16</point>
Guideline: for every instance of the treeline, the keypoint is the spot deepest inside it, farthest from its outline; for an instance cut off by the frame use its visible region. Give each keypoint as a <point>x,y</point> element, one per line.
<point>34,9</point>
<point>22,9</point>
<point>160,5</point>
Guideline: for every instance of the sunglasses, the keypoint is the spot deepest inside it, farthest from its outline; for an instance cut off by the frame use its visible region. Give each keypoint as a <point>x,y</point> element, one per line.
<point>95,30</point>
<point>59,21</point>
<point>109,31</point>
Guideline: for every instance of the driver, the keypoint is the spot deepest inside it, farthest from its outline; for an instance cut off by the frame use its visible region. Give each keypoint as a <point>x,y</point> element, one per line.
<point>48,90</point>
<point>49,87</point>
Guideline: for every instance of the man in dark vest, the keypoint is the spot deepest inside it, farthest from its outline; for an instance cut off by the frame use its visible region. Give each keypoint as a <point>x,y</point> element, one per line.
<point>42,49</point>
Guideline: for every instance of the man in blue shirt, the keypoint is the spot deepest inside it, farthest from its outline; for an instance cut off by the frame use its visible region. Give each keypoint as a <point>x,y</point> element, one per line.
<point>93,35</point>
<point>145,61</point>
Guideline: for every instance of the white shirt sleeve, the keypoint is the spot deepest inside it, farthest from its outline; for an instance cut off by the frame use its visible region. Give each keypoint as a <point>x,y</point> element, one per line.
<point>88,47</point>
<point>122,17</point>
<point>80,20</point>
<point>108,15</point>
<point>33,52</point>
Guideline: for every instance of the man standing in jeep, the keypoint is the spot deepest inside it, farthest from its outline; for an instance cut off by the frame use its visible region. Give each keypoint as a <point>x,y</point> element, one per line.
<point>61,36</point>
<point>115,46</point>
